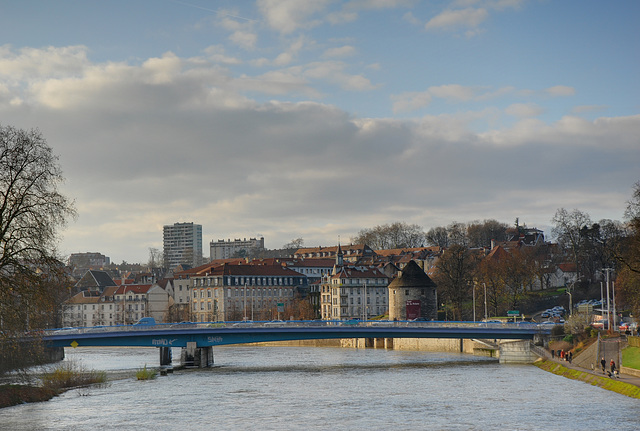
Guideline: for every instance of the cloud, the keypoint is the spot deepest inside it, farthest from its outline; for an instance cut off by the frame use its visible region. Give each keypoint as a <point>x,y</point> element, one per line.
<point>524,110</point>
<point>452,92</point>
<point>339,52</point>
<point>28,64</point>
<point>411,101</point>
<point>287,16</point>
<point>468,15</point>
<point>588,108</point>
<point>180,139</point>
<point>560,90</point>
<point>453,19</point>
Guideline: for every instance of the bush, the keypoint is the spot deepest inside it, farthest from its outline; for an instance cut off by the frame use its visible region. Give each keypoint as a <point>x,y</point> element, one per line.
<point>568,338</point>
<point>70,376</point>
<point>146,374</point>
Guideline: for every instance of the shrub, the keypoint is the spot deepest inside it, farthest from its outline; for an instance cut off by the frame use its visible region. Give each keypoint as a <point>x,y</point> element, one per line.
<point>146,374</point>
<point>568,338</point>
<point>70,375</point>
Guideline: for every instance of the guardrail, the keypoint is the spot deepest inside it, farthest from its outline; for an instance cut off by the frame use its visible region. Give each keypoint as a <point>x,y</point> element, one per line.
<point>298,324</point>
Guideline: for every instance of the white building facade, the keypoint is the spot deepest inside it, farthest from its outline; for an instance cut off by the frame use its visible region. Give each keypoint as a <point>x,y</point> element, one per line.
<point>222,249</point>
<point>182,244</point>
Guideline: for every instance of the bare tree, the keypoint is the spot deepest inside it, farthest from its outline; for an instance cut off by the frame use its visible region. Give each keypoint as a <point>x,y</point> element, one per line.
<point>31,212</point>
<point>454,277</point>
<point>567,229</point>
<point>390,236</point>
<point>438,236</point>
<point>481,234</point>
<point>156,257</point>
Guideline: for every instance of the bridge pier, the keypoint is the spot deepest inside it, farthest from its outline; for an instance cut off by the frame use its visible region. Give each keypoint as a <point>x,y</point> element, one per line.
<point>165,356</point>
<point>194,356</point>
<point>517,352</point>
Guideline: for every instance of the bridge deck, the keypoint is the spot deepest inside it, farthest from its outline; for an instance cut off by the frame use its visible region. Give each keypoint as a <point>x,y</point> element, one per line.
<point>216,334</point>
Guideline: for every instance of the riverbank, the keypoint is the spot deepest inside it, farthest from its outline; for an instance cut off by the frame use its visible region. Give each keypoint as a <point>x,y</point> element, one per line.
<point>52,383</point>
<point>611,384</point>
<point>11,395</point>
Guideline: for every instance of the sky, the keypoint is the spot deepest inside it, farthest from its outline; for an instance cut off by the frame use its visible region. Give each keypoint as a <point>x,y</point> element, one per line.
<point>317,119</point>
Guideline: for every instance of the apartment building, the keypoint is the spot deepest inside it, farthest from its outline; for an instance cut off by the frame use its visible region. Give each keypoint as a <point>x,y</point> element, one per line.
<point>116,305</point>
<point>182,244</point>
<point>229,292</point>
<point>222,249</point>
<point>354,292</point>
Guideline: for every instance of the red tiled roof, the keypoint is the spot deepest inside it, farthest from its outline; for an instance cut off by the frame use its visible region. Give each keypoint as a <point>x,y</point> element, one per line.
<point>497,253</point>
<point>133,288</point>
<point>401,251</point>
<point>567,267</point>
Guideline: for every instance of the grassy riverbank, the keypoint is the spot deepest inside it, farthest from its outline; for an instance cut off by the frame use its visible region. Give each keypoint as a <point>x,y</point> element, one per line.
<point>607,383</point>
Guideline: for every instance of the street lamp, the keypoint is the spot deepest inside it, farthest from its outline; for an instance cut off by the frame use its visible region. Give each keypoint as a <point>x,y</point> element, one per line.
<point>568,291</point>
<point>485,301</point>
<point>474,301</point>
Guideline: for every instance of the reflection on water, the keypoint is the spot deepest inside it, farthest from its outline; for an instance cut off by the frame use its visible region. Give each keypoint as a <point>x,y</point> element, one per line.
<point>290,388</point>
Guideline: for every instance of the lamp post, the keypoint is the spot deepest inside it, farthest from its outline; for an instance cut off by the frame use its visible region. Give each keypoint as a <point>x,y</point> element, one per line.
<point>570,297</point>
<point>485,301</point>
<point>245,302</point>
<point>474,301</point>
<point>608,270</point>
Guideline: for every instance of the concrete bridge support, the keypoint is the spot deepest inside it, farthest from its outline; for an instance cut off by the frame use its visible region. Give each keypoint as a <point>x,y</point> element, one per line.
<point>53,354</point>
<point>193,356</point>
<point>165,356</point>
<point>517,352</point>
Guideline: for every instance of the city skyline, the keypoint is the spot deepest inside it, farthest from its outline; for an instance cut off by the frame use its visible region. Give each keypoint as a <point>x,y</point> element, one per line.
<point>282,119</point>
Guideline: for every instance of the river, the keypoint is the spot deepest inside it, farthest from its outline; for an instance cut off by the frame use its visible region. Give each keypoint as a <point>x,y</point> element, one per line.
<point>295,388</point>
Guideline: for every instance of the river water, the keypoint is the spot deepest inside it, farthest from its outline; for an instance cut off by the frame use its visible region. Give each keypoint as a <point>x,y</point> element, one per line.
<point>294,388</point>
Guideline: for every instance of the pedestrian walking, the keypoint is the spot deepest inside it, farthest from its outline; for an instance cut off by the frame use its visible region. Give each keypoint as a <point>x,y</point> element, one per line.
<point>553,354</point>
<point>604,364</point>
<point>613,367</point>
<point>570,356</point>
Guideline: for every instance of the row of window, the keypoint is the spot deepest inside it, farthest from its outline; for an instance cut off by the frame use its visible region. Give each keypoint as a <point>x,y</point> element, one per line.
<point>368,281</point>
<point>241,292</point>
<point>251,281</point>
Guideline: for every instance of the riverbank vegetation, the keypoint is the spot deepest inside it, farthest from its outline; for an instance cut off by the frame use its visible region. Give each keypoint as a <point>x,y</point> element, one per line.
<point>146,373</point>
<point>609,384</point>
<point>52,383</point>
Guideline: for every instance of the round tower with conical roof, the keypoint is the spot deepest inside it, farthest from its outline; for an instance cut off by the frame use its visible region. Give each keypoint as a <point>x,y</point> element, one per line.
<point>412,295</point>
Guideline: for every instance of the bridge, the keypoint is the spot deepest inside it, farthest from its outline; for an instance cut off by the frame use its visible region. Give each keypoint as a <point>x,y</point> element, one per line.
<point>198,339</point>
